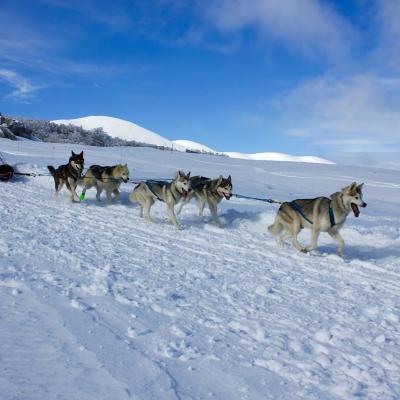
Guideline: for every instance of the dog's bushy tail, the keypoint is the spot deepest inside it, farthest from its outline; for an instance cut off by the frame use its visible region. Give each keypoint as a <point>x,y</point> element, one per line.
<point>277,227</point>
<point>51,169</point>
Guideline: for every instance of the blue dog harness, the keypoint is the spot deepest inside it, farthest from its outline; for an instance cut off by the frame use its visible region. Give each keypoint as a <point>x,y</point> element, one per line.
<point>299,209</point>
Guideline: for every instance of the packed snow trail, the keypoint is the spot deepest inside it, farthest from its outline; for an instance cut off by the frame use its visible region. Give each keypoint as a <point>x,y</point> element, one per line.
<point>98,304</point>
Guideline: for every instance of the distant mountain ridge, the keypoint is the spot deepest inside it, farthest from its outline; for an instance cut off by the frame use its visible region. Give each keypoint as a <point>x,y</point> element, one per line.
<point>109,131</point>
<point>126,130</point>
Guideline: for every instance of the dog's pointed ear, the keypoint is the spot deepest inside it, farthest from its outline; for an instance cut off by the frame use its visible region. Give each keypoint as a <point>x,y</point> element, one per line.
<point>126,165</point>
<point>350,187</point>
<point>188,175</point>
<point>230,179</point>
<point>81,153</point>
<point>359,187</point>
<point>72,153</point>
<point>220,179</point>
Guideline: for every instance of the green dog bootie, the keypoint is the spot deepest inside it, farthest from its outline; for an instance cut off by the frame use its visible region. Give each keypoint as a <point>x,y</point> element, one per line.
<point>82,196</point>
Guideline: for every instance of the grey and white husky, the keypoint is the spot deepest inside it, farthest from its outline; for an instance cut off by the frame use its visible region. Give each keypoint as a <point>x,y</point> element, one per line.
<point>68,174</point>
<point>320,215</point>
<point>146,193</point>
<point>105,178</point>
<point>210,191</point>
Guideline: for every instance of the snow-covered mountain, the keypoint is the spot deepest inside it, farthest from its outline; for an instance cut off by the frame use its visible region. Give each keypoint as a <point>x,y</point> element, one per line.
<point>119,128</point>
<point>267,156</point>
<point>190,145</point>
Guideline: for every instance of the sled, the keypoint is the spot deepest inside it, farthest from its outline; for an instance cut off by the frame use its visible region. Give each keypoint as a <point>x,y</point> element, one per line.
<point>6,172</point>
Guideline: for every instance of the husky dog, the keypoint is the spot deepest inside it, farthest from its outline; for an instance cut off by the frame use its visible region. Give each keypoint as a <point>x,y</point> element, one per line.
<point>146,193</point>
<point>68,174</point>
<point>320,215</point>
<point>105,178</point>
<point>210,191</point>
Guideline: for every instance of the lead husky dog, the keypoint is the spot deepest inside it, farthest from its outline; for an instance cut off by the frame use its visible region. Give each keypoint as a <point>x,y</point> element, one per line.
<point>105,178</point>
<point>320,215</point>
<point>210,191</point>
<point>68,174</point>
<point>146,193</point>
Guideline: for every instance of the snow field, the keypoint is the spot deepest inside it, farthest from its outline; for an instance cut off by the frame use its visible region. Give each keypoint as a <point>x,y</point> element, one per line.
<point>97,303</point>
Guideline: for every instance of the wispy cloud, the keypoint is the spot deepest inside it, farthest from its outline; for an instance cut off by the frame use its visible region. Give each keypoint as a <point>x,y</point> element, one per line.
<point>310,27</point>
<point>113,14</point>
<point>24,48</point>
<point>385,55</point>
<point>361,111</point>
<point>23,89</point>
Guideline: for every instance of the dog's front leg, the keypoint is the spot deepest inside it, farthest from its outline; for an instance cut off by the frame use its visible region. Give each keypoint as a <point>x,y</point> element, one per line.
<point>336,235</point>
<point>172,216</point>
<point>314,239</point>
<point>117,194</point>
<point>182,204</point>
<point>71,186</point>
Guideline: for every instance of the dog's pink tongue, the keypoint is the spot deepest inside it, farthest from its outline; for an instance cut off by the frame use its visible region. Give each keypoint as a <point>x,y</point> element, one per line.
<point>355,209</point>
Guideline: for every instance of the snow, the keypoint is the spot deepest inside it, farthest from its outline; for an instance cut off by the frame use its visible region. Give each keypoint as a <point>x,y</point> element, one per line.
<point>95,303</point>
<point>268,156</point>
<point>119,128</point>
<point>190,145</point>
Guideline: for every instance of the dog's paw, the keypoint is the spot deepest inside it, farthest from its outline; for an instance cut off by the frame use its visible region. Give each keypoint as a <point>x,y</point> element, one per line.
<point>180,227</point>
<point>304,250</point>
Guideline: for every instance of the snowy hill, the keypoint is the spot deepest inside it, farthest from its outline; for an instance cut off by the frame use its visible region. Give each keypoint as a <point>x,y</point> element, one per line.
<point>98,304</point>
<point>190,145</point>
<point>126,130</point>
<point>119,128</point>
<point>278,157</point>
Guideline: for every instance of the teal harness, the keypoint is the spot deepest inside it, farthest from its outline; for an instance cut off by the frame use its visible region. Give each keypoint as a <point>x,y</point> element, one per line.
<point>299,209</point>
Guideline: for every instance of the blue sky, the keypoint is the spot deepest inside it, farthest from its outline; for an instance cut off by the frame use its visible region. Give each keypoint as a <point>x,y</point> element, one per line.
<point>305,77</point>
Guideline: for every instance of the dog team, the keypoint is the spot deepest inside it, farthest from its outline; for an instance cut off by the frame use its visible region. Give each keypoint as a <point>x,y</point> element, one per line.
<point>321,214</point>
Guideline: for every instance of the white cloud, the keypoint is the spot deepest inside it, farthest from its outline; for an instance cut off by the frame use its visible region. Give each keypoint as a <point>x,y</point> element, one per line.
<point>311,27</point>
<point>358,113</point>
<point>385,53</point>
<point>23,88</point>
